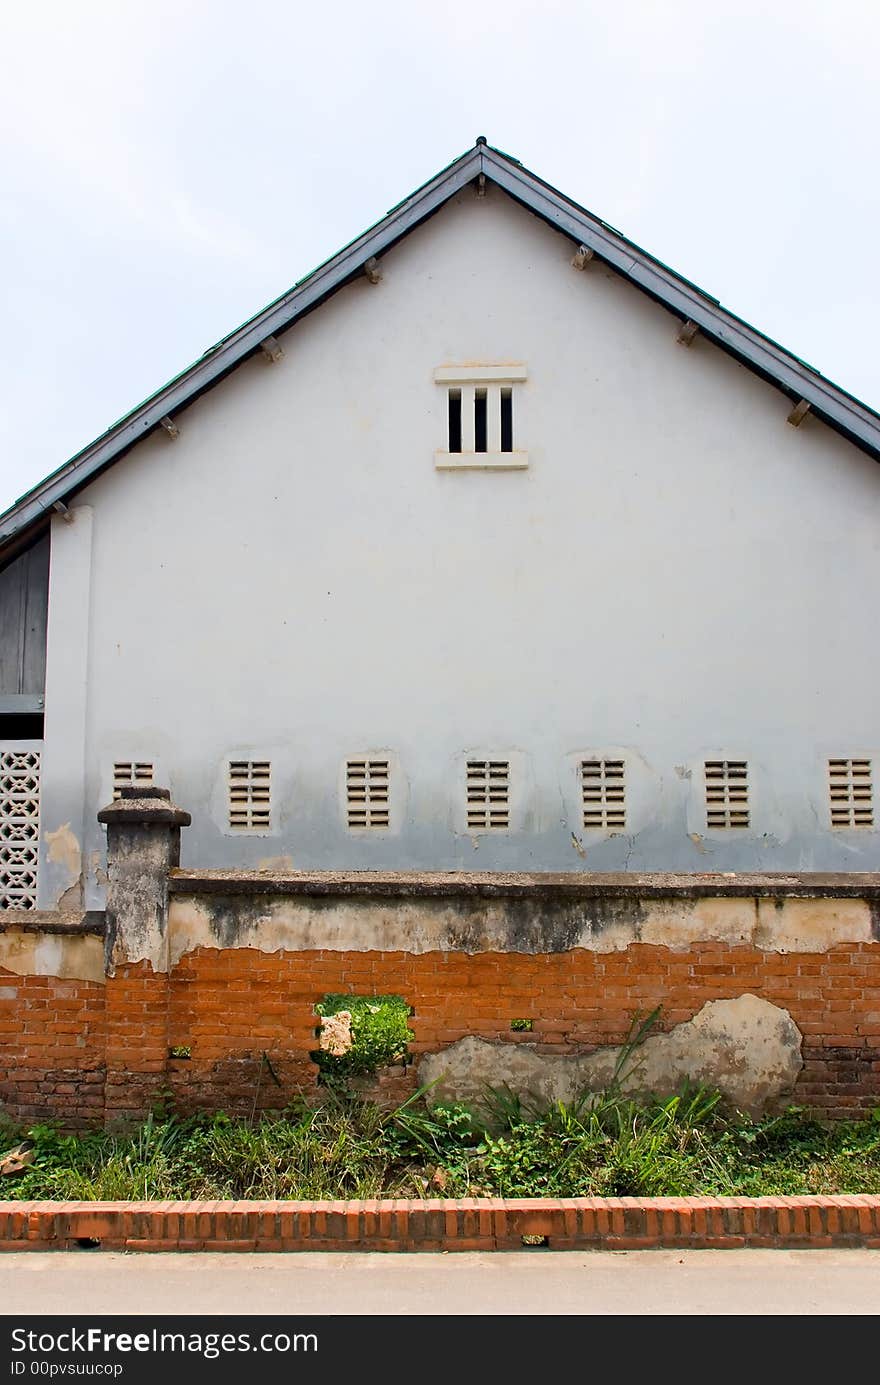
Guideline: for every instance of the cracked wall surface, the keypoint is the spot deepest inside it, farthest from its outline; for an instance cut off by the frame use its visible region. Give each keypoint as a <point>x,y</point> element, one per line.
<point>748,1048</point>
<point>278,923</point>
<point>229,1006</point>
<point>759,991</point>
<point>52,954</point>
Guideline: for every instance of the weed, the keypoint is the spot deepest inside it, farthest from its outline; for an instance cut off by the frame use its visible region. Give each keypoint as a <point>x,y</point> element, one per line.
<point>598,1144</point>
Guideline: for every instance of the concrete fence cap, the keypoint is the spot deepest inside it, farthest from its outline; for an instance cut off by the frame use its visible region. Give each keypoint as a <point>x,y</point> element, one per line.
<point>144,805</point>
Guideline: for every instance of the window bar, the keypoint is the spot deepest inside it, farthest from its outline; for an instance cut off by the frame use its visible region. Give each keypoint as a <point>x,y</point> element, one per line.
<point>467,418</point>
<point>493,418</point>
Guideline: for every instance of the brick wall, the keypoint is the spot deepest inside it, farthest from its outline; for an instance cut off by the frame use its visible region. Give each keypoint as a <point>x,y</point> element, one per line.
<point>53,1035</point>
<point>78,1050</point>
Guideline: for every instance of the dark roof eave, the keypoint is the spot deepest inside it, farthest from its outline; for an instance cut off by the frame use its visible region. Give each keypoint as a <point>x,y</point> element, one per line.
<point>215,364</point>
<point>770,360</point>
<point>847,415</point>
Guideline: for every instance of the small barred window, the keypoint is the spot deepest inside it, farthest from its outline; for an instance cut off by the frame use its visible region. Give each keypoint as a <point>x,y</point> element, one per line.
<point>131,774</point>
<point>488,794</point>
<point>249,787</point>
<point>603,791</point>
<point>851,793</point>
<point>368,792</point>
<point>727,793</point>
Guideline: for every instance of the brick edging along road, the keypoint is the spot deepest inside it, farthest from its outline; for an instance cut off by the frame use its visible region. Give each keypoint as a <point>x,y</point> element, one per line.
<point>611,1223</point>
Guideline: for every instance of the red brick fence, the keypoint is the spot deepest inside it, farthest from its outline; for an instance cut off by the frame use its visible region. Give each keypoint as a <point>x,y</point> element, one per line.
<point>201,986</point>
<point>612,1223</point>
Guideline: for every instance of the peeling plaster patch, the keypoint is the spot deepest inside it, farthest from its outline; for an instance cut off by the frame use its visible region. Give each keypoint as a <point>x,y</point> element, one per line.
<point>699,843</point>
<point>51,954</point>
<point>64,849</point>
<point>279,923</point>
<point>97,870</point>
<point>276,863</point>
<point>273,924</point>
<point>811,925</point>
<point>719,920</point>
<point>191,926</point>
<point>748,1048</point>
<point>683,771</point>
<point>71,898</point>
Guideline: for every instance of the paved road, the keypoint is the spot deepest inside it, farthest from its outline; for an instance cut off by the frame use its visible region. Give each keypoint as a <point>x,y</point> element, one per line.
<point>546,1282</point>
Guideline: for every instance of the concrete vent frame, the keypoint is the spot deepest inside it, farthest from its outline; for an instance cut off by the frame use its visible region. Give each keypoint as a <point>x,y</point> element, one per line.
<point>480,420</point>
<point>727,794</point>
<point>19,828</point>
<point>851,793</point>
<point>250,795</point>
<point>128,774</point>
<point>368,792</point>
<point>488,795</point>
<point>603,794</point>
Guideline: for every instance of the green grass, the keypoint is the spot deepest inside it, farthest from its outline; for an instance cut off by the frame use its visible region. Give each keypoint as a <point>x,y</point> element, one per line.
<point>601,1145</point>
<point>379,1029</point>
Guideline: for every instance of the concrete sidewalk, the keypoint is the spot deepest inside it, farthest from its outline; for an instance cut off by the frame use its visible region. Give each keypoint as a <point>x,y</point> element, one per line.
<point>727,1282</point>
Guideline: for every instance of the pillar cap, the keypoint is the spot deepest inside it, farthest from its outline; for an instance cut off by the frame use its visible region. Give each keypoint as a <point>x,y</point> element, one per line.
<point>144,805</point>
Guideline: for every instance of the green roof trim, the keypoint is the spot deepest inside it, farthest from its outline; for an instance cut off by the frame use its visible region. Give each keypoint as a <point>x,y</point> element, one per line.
<point>789,373</point>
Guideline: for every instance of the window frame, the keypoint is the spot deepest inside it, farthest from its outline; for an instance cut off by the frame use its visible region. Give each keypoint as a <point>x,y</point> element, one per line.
<point>487,410</point>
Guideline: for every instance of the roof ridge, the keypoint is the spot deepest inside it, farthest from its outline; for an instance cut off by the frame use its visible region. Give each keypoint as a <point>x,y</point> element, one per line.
<point>798,380</point>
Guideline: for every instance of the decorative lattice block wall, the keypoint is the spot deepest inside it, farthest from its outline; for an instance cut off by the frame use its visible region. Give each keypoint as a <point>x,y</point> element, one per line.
<point>19,828</point>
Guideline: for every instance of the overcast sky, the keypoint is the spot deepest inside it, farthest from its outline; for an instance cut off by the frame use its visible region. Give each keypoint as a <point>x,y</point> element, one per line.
<point>168,168</point>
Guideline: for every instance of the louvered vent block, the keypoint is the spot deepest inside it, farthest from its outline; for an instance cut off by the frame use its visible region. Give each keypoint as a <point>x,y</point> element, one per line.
<point>727,794</point>
<point>488,794</point>
<point>250,795</point>
<point>603,794</point>
<point>129,774</point>
<point>19,828</point>
<point>851,793</point>
<point>368,792</point>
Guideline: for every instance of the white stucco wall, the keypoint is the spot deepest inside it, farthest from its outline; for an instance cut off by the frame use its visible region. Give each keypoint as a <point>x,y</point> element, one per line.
<point>677,574</point>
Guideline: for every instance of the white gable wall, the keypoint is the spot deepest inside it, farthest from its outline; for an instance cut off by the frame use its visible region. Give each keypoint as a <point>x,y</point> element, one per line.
<point>677,574</point>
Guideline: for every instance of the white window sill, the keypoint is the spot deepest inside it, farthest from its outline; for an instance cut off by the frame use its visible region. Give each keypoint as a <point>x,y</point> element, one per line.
<point>481,461</point>
<point>480,374</point>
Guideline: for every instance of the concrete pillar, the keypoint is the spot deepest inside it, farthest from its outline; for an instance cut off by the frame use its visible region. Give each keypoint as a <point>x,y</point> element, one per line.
<point>62,776</point>
<point>143,845</point>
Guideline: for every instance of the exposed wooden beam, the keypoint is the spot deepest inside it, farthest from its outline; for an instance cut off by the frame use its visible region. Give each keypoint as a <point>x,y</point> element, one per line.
<point>170,427</point>
<point>272,350</point>
<point>798,413</point>
<point>686,333</point>
<point>373,270</point>
<point>582,257</point>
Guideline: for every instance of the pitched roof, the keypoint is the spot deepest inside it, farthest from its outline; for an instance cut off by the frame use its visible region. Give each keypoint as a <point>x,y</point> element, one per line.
<point>796,379</point>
